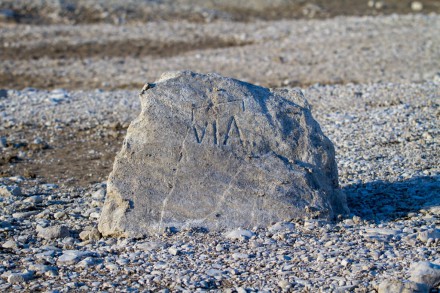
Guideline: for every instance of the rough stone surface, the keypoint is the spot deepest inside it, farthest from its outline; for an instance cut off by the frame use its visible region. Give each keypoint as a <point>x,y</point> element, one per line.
<point>7,191</point>
<point>53,232</point>
<point>426,272</point>
<point>239,234</point>
<point>19,278</point>
<point>216,152</point>
<point>397,286</point>
<point>92,234</point>
<point>70,257</point>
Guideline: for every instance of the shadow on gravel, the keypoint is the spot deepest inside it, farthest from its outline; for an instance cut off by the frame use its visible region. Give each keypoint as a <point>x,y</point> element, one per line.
<point>386,201</point>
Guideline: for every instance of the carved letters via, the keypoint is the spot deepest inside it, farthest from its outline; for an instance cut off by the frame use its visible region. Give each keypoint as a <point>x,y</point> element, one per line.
<point>210,126</point>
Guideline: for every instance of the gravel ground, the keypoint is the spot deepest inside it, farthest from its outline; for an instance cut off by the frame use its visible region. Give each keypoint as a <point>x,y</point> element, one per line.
<point>374,83</point>
<point>279,53</point>
<point>201,11</point>
<point>386,137</point>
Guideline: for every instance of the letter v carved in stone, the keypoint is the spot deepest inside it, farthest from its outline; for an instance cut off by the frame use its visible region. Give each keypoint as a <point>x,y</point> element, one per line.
<point>204,130</point>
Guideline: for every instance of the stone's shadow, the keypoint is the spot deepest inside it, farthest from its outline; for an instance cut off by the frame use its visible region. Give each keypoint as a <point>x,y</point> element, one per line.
<point>386,201</point>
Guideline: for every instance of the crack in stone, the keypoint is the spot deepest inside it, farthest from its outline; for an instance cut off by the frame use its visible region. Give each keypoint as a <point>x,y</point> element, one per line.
<point>223,196</point>
<point>165,201</point>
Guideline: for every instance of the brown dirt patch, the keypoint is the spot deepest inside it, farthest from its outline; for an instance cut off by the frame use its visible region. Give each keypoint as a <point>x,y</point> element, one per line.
<point>72,157</point>
<point>121,48</point>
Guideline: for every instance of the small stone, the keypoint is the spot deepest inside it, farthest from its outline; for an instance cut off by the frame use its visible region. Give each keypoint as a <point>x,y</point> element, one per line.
<point>94,215</point>
<point>214,272</point>
<point>8,191</point>
<point>42,268</point>
<point>150,246</point>
<point>53,232</point>
<point>416,6</point>
<point>429,234</point>
<point>92,234</point>
<point>238,255</point>
<point>34,199</point>
<point>388,286</point>
<point>87,262</point>
<point>281,226</point>
<point>357,220</point>
<point>10,244</point>
<point>425,273</point>
<point>57,96</point>
<point>24,215</point>
<point>71,257</point>
<point>20,278</point>
<point>59,215</point>
<point>5,224</point>
<point>345,262</point>
<point>3,142</point>
<point>284,284</point>
<point>3,94</point>
<point>219,247</point>
<point>321,257</point>
<point>99,194</point>
<point>173,251</point>
<point>239,234</point>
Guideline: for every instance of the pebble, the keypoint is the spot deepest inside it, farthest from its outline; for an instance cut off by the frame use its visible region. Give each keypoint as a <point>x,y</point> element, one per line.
<point>20,278</point>
<point>284,284</point>
<point>425,273</point>
<point>282,226</point>
<point>214,272</point>
<point>10,244</point>
<point>416,6</point>
<point>24,215</point>
<point>239,234</point>
<point>92,234</point>
<point>42,268</point>
<point>53,232</point>
<point>34,199</point>
<point>59,215</point>
<point>71,257</point>
<point>238,255</point>
<point>433,234</point>
<point>174,251</point>
<point>150,246</point>
<point>10,191</point>
<point>99,194</point>
<point>3,142</point>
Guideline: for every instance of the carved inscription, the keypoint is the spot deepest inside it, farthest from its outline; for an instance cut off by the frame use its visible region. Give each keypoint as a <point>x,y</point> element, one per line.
<point>216,123</point>
<point>232,131</point>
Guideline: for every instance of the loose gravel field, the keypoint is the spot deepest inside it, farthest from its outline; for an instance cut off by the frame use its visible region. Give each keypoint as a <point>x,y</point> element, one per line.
<point>69,91</point>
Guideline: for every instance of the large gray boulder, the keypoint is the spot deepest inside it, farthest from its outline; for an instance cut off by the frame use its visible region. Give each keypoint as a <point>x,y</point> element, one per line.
<point>215,152</point>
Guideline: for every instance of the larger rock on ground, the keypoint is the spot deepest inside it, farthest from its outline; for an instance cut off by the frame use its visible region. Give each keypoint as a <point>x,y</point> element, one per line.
<point>215,152</point>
